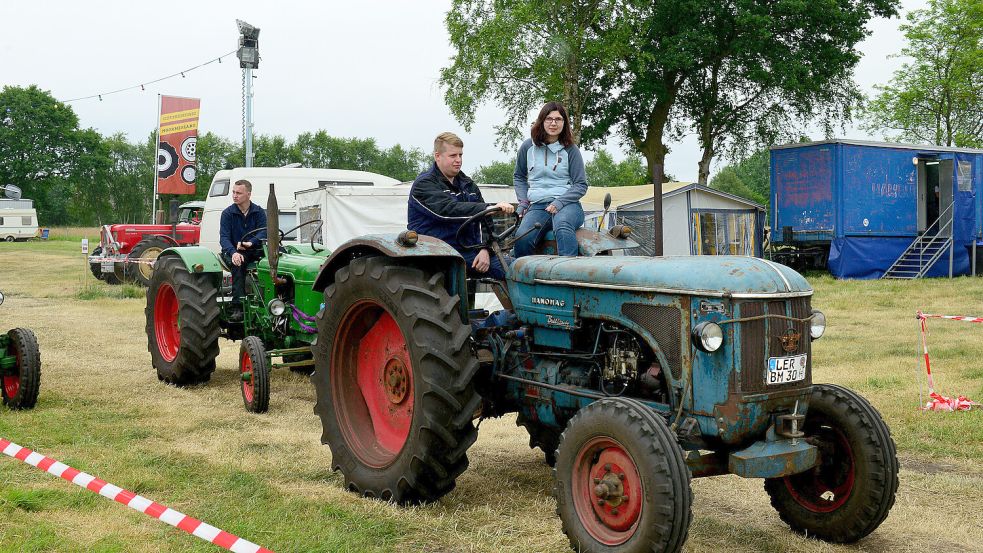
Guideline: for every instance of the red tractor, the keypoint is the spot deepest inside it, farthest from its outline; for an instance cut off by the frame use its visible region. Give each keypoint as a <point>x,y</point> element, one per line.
<point>127,252</point>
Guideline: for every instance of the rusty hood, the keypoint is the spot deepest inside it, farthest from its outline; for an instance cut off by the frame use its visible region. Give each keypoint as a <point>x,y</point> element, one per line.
<point>711,275</point>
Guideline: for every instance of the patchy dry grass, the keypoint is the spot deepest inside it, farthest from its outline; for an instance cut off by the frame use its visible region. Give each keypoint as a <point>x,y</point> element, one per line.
<point>268,479</point>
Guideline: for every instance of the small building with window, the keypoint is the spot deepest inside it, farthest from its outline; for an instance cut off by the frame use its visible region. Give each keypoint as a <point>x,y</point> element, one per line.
<point>696,219</point>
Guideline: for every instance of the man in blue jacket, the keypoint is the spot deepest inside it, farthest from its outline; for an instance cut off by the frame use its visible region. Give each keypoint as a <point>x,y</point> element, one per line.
<point>444,197</point>
<point>240,218</point>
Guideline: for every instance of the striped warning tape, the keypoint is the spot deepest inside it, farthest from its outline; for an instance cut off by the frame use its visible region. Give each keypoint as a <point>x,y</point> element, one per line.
<point>962,318</point>
<point>136,502</point>
<point>93,259</point>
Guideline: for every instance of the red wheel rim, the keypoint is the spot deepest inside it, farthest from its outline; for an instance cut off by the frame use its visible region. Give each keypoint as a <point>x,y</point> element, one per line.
<point>11,385</point>
<point>828,486</point>
<point>166,322</point>
<point>372,384</point>
<point>607,491</point>
<point>246,366</point>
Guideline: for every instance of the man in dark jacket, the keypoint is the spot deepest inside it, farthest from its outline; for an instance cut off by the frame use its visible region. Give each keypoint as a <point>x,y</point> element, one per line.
<point>444,197</point>
<point>240,218</point>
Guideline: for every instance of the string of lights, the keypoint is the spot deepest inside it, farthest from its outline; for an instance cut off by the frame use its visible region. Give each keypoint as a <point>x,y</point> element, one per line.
<point>142,85</point>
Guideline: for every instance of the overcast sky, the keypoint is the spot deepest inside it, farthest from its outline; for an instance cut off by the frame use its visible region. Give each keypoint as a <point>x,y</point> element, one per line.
<point>364,69</point>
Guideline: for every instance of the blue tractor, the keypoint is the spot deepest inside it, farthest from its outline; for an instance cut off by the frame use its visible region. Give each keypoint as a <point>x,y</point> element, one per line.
<point>632,374</point>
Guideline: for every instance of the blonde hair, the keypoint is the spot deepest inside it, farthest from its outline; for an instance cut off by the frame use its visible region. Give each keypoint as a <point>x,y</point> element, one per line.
<point>446,138</point>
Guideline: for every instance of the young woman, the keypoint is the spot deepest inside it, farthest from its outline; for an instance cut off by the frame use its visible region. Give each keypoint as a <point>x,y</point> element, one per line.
<point>549,182</point>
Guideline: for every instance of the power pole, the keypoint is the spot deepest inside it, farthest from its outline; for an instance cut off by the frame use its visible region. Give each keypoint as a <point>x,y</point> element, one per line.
<point>248,55</point>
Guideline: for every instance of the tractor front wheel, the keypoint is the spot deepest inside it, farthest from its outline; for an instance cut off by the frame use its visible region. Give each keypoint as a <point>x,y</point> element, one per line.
<point>393,381</point>
<point>621,483</point>
<point>140,262</point>
<point>20,390</point>
<point>182,323</point>
<point>254,372</point>
<point>850,492</point>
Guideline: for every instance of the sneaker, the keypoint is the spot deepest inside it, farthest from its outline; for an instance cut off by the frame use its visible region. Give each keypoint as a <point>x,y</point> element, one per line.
<point>235,316</point>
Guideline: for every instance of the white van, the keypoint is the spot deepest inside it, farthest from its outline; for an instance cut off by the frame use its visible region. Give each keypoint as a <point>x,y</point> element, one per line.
<point>18,220</point>
<point>288,181</point>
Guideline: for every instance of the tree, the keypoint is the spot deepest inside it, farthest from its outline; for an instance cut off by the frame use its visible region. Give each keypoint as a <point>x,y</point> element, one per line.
<point>43,151</point>
<point>747,178</point>
<point>602,170</point>
<point>361,154</point>
<point>669,44</point>
<point>129,179</point>
<point>520,54</point>
<point>496,172</point>
<point>936,97</point>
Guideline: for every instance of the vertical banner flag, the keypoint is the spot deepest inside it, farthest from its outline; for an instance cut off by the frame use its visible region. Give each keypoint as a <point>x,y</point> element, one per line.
<point>177,134</point>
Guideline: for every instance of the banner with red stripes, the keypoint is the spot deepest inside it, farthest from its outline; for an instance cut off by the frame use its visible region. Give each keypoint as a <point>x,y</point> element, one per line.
<point>136,502</point>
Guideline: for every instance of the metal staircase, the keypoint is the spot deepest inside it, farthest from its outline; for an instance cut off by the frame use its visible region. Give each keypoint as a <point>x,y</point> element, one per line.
<point>915,261</point>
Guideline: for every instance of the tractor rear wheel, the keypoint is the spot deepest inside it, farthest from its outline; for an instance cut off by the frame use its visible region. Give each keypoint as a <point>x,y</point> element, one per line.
<point>182,323</point>
<point>20,390</point>
<point>393,381</point>
<point>850,493</point>
<point>621,483</point>
<point>254,373</point>
<point>140,262</point>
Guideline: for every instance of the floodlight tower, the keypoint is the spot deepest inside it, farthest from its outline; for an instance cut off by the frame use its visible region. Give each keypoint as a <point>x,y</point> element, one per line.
<point>248,55</point>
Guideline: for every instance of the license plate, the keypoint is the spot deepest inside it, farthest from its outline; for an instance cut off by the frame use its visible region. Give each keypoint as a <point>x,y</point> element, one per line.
<point>782,370</point>
<point>108,266</point>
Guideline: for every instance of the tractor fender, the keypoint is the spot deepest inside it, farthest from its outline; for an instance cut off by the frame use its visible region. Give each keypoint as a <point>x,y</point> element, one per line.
<point>197,259</point>
<point>430,253</point>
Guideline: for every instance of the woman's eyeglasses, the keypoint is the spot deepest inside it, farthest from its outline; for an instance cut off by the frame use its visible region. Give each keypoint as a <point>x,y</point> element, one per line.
<point>553,120</point>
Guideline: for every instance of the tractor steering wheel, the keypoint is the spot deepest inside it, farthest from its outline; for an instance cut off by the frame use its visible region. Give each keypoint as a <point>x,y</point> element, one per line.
<point>254,231</point>
<point>502,239</point>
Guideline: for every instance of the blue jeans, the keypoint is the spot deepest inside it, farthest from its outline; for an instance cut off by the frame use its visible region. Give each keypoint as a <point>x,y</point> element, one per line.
<point>495,269</point>
<point>564,226</point>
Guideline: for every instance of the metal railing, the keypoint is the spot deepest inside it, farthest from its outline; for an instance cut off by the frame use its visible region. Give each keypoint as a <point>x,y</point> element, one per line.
<point>925,250</point>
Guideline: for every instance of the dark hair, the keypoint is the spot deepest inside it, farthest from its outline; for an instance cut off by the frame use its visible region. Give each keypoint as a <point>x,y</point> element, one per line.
<point>244,182</point>
<point>539,131</point>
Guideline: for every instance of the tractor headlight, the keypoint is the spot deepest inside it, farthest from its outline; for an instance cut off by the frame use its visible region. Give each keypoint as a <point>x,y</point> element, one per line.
<point>408,238</point>
<point>708,336</point>
<point>817,324</point>
<point>276,307</point>
<point>620,231</point>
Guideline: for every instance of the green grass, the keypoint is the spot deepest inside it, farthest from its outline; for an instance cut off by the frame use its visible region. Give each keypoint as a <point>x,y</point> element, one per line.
<point>268,479</point>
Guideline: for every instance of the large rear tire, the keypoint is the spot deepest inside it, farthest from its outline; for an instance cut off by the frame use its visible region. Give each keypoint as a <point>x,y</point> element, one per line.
<point>393,381</point>
<point>96,268</point>
<point>182,323</point>
<point>20,390</point>
<point>621,483</point>
<point>140,262</point>
<point>851,492</point>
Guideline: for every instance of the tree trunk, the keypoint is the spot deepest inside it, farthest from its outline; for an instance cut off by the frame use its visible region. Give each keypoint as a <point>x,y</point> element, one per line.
<point>654,150</point>
<point>704,166</point>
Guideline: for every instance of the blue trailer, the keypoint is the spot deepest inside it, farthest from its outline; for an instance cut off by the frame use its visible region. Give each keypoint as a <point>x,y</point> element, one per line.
<point>875,210</point>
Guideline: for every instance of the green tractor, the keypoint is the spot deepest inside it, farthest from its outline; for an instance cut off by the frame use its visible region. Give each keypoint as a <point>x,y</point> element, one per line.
<point>189,309</point>
<point>20,367</point>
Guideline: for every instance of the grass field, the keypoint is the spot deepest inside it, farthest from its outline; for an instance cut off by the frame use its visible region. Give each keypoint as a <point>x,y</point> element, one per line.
<point>268,479</point>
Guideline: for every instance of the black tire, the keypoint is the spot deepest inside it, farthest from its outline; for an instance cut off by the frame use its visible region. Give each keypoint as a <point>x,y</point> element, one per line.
<point>252,360</point>
<point>9,239</point>
<point>546,438</point>
<point>96,268</point>
<point>184,307</point>
<point>20,391</point>
<point>406,456</point>
<point>647,501</point>
<point>851,492</point>
<point>139,266</point>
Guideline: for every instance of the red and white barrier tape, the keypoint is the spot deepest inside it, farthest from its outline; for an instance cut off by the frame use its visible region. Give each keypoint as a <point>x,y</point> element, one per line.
<point>120,260</point>
<point>136,502</point>
<point>940,402</point>
<point>962,318</point>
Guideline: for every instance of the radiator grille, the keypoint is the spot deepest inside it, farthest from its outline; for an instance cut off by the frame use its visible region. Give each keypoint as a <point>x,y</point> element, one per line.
<point>665,324</point>
<point>762,339</point>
